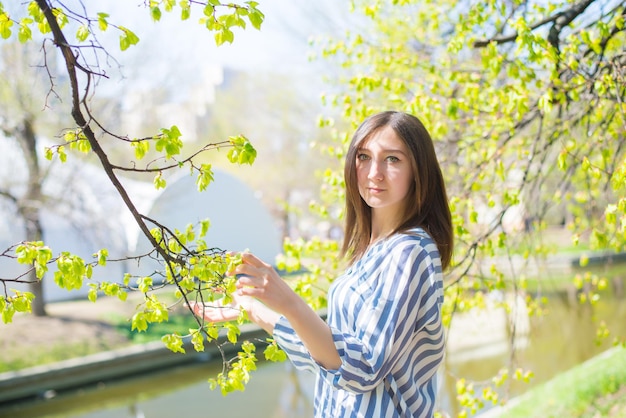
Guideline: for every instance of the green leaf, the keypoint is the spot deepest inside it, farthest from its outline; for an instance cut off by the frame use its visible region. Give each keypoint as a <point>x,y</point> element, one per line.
<point>173,245</point>
<point>7,313</point>
<point>169,5</point>
<point>233,332</point>
<point>144,284</point>
<point>174,342</point>
<point>212,332</point>
<point>185,10</point>
<point>248,348</point>
<point>22,301</point>
<point>71,270</point>
<point>103,23</point>
<point>205,224</point>
<point>155,12</point>
<point>61,153</point>
<point>110,289</point>
<point>92,295</point>
<point>209,10</point>
<point>34,253</point>
<point>224,35</point>
<point>82,33</point>
<point>562,160</point>
<point>141,148</point>
<point>205,177</point>
<point>545,102</point>
<point>5,26</point>
<point>60,16</point>
<point>197,339</point>
<point>127,38</point>
<point>619,21</point>
<point>274,353</point>
<point>586,164</point>
<point>139,322</point>
<point>169,140</point>
<point>256,18</point>
<point>157,311</point>
<point>242,151</point>
<point>24,33</point>
<point>213,384</point>
<point>102,256</point>
<point>159,181</point>
<point>35,12</point>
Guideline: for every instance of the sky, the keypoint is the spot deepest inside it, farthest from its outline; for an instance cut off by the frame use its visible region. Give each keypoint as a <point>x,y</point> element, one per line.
<point>178,54</point>
<point>173,51</point>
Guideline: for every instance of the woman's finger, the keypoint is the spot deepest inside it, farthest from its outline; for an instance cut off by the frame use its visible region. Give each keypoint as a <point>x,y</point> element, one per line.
<point>246,281</point>
<point>251,259</point>
<point>215,311</point>
<point>246,270</point>
<point>250,291</point>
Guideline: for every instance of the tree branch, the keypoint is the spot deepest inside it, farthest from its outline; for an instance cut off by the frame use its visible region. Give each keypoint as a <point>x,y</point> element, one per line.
<point>72,65</point>
<point>565,19</point>
<point>560,19</point>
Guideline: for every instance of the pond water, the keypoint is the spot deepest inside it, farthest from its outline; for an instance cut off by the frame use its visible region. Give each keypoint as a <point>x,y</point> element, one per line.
<point>550,344</point>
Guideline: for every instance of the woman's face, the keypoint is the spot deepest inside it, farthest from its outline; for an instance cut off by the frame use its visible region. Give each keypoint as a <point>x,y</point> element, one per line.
<point>384,172</point>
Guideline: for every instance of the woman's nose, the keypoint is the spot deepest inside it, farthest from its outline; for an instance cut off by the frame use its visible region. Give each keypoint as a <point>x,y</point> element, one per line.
<point>376,172</point>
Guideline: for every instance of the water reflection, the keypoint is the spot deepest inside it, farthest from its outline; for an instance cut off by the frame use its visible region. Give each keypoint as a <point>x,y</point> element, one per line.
<point>557,341</point>
<point>274,391</point>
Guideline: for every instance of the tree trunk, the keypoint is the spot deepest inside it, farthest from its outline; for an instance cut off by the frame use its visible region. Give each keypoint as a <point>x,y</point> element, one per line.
<point>30,203</point>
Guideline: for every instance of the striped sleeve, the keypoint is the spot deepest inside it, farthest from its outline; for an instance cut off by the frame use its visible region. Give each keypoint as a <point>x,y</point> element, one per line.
<point>288,340</point>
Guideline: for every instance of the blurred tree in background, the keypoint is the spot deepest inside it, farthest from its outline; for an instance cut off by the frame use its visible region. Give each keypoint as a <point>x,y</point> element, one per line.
<point>525,101</point>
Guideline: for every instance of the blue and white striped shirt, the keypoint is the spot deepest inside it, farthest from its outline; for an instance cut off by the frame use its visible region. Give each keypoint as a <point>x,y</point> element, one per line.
<point>384,313</point>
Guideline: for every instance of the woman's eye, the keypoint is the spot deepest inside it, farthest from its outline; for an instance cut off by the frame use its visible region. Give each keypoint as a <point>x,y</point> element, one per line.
<point>393,159</point>
<point>362,157</point>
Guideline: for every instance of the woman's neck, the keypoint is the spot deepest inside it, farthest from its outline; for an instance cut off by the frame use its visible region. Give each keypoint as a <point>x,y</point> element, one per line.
<point>382,227</point>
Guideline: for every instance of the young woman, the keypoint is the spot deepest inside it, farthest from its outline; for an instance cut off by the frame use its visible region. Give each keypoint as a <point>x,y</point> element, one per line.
<point>378,353</point>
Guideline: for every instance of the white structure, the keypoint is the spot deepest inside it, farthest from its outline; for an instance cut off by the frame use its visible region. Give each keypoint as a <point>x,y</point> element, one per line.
<point>239,221</point>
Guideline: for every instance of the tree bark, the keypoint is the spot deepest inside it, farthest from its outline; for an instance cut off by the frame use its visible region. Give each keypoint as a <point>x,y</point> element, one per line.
<point>29,205</point>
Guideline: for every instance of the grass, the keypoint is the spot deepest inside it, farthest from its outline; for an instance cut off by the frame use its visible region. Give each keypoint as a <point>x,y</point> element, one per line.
<point>176,324</point>
<point>593,389</point>
<point>24,357</point>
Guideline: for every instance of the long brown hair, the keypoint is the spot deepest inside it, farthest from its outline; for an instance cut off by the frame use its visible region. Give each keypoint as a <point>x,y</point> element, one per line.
<point>427,202</point>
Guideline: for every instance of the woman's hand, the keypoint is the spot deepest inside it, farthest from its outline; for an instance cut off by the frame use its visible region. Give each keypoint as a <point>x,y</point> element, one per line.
<point>259,280</point>
<point>217,311</point>
<point>265,296</point>
<point>257,312</point>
